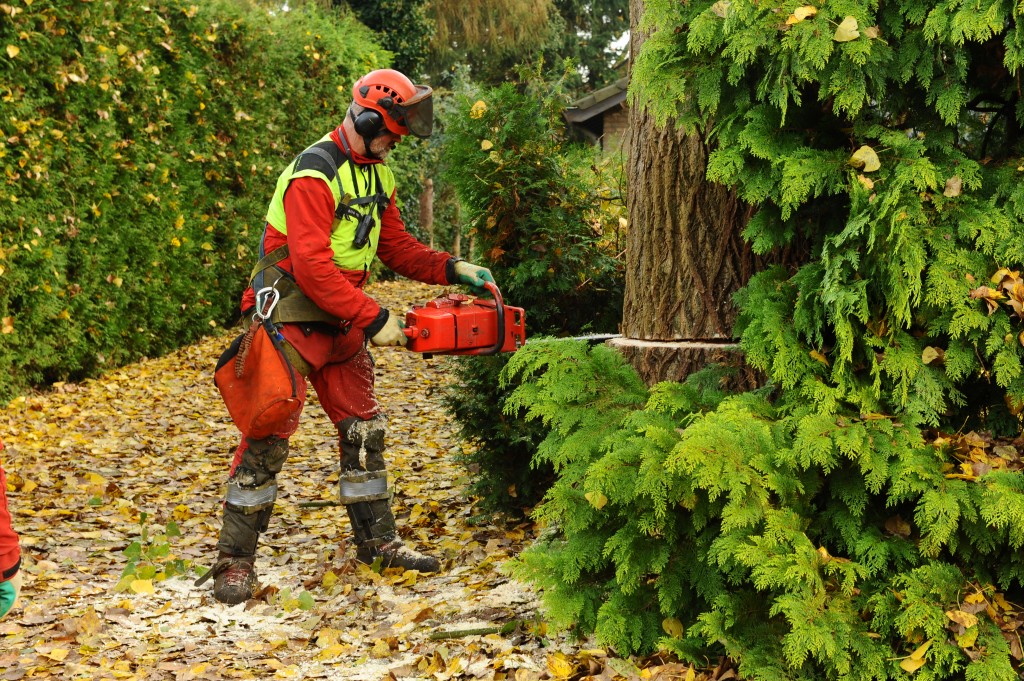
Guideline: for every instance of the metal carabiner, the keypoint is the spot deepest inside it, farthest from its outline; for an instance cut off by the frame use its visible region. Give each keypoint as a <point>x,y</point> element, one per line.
<point>266,301</point>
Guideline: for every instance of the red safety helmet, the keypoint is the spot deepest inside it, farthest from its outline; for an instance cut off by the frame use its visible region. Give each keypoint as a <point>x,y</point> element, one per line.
<point>392,100</point>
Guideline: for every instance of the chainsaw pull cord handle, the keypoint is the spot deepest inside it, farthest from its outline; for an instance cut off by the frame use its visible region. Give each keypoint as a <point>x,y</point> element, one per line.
<point>499,307</point>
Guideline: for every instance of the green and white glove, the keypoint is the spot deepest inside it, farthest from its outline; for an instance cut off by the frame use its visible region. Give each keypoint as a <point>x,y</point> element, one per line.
<point>9,591</point>
<point>391,333</point>
<point>473,276</point>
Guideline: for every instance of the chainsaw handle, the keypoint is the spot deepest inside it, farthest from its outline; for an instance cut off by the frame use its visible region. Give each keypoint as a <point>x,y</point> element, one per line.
<point>499,308</point>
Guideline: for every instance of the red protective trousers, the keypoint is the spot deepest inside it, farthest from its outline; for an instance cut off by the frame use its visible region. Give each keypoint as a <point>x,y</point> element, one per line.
<point>342,376</point>
<point>10,551</point>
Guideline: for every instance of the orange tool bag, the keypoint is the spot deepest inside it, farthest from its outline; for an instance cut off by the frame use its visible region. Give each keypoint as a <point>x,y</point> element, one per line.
<point>261,389</point>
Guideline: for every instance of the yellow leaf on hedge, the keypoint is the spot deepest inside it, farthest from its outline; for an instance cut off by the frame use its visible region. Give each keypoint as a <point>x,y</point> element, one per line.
<point>910,665</point>
<point>801,13</point>
<point>486,144</point>
<point>847,31</point>
<point>121,50</point>
<point>596,499</point>
<point>13,51</point>
<point>969,638</point>
<point>916,659</point>
<point>964,619</point>
<point>672,627</point>
<point>865,158</point>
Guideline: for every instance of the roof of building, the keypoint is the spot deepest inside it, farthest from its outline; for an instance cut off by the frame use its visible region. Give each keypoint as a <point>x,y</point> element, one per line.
<point>597,102</point>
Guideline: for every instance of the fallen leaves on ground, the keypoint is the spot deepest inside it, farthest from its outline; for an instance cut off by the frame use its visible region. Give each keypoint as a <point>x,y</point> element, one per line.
<point>115,487</point>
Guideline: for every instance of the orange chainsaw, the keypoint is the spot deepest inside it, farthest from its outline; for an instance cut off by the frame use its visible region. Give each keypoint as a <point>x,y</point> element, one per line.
<point>457,324</point>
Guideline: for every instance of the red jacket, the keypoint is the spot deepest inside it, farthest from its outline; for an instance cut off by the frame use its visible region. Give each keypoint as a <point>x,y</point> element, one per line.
<point>10,552</point>
<point>309,205</point>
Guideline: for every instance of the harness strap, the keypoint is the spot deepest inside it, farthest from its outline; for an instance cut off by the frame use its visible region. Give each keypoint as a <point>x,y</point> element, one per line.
<point>342,210</point>
<point>272,258</point>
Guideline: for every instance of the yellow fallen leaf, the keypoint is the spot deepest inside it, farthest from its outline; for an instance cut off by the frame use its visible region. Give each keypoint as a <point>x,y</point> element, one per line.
<point>142,586</point>
<point>381,649</point>
<point>847,31</point>
<point>251,646</point>
<point>331,651</point>
<point>865,158</point>
<point>560,667</point>
<point>57,654</point>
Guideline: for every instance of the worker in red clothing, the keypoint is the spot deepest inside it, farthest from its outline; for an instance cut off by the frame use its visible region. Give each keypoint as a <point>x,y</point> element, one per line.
<point>333,211</point>
<point>10,553</point>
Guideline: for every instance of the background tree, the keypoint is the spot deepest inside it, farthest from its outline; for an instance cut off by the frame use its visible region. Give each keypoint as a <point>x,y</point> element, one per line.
<point>493,37</point>
<point>591,33</point>
<point>403,27</point>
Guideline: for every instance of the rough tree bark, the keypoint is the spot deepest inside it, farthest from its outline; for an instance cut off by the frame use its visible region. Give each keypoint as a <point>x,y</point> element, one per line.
<point>427,209</point>
<point>685,256</point>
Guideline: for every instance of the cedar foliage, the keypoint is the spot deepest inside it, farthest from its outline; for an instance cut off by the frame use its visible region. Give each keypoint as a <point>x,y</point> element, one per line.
<point>139,145</point>
<point>824,529</point>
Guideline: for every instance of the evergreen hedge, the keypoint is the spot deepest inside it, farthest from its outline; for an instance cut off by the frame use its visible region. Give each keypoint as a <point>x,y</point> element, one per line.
<point>861,517</point>
<point>545,215</point>
<point>139,145</point>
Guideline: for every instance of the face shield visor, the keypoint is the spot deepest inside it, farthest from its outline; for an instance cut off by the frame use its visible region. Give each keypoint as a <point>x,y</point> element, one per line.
<point>416,113</point>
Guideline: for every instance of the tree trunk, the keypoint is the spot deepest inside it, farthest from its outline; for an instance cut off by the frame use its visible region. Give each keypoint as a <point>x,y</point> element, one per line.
<point>457,229</point>
<point>684,253</point>
<point>427,210</point>
<point>685,256</point>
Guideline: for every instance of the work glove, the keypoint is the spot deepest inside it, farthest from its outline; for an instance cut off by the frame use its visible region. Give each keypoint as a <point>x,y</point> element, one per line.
<point>391,333</point>
<point>9,591</point>
<point>473,276</point>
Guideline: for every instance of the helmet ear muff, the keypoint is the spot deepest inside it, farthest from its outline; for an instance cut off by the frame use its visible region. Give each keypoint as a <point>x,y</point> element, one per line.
<point>368,123</point>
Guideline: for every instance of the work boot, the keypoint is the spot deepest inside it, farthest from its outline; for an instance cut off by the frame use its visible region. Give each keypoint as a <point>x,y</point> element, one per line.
<point>234,580</point>
<point>373,525</point>
<point>395,554</point>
